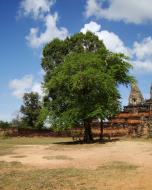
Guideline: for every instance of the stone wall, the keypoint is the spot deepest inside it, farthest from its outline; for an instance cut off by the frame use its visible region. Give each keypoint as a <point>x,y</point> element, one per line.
<point>135,122</point>
<point>107,132</point>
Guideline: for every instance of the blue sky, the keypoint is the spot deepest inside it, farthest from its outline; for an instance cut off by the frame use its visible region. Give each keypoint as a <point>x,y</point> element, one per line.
<point>27,25</point>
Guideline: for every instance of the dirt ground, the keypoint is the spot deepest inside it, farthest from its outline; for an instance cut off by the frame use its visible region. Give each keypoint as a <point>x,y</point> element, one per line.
<point>123,165</point>
<point>82,156</point>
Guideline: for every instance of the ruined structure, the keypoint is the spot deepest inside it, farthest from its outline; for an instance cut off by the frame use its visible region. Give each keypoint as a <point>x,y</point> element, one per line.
<point>137,116</point>
<point>135,97</point>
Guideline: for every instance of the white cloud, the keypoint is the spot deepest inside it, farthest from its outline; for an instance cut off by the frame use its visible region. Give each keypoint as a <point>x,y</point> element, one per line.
<point>40,10</point>
<point>142,67</point>
<point>110,39</point>
<point>140,53</point>
<point>23,85</point>
<point>143,50</point>
<point>20,86</point>
<point>37,87</point>
<point>113,42</point>
<point>92,27</point>
<point>92,8</point>
<point>35,8</point>
<point>51,32</point>
<point>130,11</point>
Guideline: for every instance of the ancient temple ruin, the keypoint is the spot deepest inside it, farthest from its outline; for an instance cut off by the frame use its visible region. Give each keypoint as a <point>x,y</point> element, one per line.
<point>137,115</point>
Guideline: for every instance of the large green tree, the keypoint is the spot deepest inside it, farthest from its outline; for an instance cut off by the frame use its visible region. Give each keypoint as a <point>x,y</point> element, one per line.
<point>81,81</point>
<point>31,110</point>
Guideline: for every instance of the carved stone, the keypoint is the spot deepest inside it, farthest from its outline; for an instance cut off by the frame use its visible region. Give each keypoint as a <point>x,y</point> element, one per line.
<point>135,97</point>
<point>137,116</point>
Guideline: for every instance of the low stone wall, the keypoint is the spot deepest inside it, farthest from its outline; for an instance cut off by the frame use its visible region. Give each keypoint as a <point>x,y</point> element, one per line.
<point>8,131</point>
<point>25,132</point>
<point>107,131</point>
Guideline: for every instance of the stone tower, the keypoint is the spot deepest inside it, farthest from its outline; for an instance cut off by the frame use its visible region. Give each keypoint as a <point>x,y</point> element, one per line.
<point>136,97</point>
<point>151,92</point>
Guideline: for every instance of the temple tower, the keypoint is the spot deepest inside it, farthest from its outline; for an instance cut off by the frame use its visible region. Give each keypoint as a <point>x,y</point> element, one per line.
<point>151,92</point>
<point>136,97</point>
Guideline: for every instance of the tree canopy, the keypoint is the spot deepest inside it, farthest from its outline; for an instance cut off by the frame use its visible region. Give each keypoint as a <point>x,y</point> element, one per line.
<point>4,124</point>
<point>81,81</point>
<point>31,110</point>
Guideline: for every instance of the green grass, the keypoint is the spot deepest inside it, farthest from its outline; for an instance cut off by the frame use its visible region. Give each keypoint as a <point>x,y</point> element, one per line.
<point>7,144</point>
<point>111,176</point>
<point>18,156</point>
<point>31,140</point>
<point>59,157</point>
<point>122,166</point>
<point>14,176</point>
<point>5,148</point>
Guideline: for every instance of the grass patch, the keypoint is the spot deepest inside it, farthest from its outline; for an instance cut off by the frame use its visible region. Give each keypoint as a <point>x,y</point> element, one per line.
<point>59,157</point>
<point>123,166</point>
<point>14,176</point>
<point>10,165</point>
<point>18,156</point>
<point>7,144</point>
<point>6,149</point>
<point>31,140</point>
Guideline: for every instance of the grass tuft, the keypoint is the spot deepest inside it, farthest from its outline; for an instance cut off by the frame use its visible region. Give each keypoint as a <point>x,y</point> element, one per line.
<point>59,157</point>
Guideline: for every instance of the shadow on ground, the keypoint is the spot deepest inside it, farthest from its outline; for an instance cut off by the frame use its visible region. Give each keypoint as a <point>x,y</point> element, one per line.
<point>103,141</point>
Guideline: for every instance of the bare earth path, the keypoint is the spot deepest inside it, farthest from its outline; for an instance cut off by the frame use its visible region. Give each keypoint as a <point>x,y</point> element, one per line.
<point>82,156</point>
<point>119,165</point>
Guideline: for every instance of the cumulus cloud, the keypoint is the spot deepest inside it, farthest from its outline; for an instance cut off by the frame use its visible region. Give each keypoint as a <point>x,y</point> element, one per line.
<point>37,88</point>
<point>92,27</point>
<point>23,85</point>
<point>110,39</point>
<point>140,53</point>
<point>142,67</point>
<point>130,11</point>
<point>52,31</point>
<point>113,42</point>
<point>143,49</point>
<point>40,10</point>
<point>20,86</point>
<point>35,8</point>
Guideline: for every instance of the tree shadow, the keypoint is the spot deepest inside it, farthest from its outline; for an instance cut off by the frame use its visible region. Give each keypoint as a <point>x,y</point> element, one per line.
<point>104,141</point>
<point>96,141</point>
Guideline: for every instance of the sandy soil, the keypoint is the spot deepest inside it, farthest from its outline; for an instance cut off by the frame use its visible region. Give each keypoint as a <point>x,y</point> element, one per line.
<point>81,156</point>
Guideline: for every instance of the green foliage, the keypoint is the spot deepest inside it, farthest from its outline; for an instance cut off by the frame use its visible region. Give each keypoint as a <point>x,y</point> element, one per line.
<point>17,122</point>
<point>82,79</point>
<point>4,124</point>
<point>42,118</point>
<point>30,110</point>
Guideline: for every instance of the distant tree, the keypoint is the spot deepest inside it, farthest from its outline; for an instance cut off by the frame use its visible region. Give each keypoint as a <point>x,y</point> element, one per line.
<point>4,124</point>
<point>81,80</point>
<point>42,119</point>
<point>17,121</point>
<point>30,110</point>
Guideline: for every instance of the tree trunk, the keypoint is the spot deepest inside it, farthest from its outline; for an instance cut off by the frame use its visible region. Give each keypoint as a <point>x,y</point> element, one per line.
<point>101,130</point>
<point>87,132</point>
